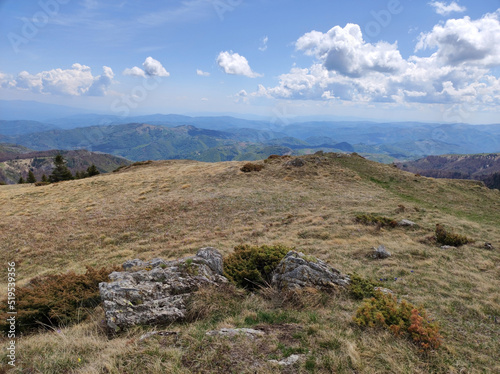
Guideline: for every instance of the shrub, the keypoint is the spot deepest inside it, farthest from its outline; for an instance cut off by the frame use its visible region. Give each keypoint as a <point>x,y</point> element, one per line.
<point>249,167</point>
<point>251,266</point>
<point>447,238</point>
<point>38,184</point>
<point>373,219</point>
<point>403,319</point>
<point>56,300</point>
<point>361,288</point>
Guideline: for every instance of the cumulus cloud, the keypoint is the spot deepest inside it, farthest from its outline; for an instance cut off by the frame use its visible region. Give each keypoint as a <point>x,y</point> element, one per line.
<point>202,73</point>
<point>465,41</point>
<point>151,68</point>
<point>135,72</point>
<point>444,9</point>
<point>76,81</point>
<point>344,50</point>
<point>235,64</point>
<point>241,96</point>
<point>348,68</point>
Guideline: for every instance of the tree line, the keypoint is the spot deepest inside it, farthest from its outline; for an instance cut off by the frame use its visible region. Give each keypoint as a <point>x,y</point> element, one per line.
<point>60,173</point>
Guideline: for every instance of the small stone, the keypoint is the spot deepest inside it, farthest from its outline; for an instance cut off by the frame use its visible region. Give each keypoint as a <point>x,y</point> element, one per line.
<point>406,222</point>
<point>381,252</point>
<point>288,361</point>
<point>384,290</point>
<point>234,332</point>
<point>488,246</point>
<point>296,162</point>
<point>448,247</point>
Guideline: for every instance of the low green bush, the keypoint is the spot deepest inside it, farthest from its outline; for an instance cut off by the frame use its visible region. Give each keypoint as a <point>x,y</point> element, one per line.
<point>57,300</point>
<point>403,319</point>
<point>361,288</point>
<point>448,238</point>
<point>374,219</point>
<point>251,266</point>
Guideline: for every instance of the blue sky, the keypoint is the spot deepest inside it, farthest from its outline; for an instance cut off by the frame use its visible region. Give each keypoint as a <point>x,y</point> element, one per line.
<point>394,60</point>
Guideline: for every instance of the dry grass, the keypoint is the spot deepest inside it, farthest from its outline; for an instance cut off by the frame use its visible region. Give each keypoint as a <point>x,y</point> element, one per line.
<point>171,208</point>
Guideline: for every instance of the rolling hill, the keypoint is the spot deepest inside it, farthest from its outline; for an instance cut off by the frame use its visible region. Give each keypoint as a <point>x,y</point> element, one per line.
<point>13,165</point>
<point>169,209</point>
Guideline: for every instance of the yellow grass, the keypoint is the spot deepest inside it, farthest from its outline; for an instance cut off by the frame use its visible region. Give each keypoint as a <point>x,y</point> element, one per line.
<point>171,208</point>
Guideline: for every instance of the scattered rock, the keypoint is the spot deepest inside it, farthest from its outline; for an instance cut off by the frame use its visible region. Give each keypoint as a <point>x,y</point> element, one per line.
<point>488,246</point>
<point>288,361</point>
<point>406,222</point>
<point>297,270</point>
<point>234,332</point>
<point>296,162</point>
<point>384,290</point>
<point>155,333</point>
<point>448,247</point>
<point>381,252</point>
<point>157,292</point>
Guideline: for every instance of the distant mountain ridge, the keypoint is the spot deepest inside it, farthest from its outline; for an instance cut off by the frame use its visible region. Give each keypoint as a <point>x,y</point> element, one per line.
<point>485,167</point>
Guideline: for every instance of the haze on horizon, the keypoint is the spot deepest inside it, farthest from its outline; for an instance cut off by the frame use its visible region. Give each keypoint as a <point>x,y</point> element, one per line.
<point>395,60</point>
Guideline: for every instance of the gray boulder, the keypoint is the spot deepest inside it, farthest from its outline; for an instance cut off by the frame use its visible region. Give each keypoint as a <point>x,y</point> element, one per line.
<point>156,291</point>
<point>406,223</point>
<point>296,162</point>
<point>381,252</point>
<point>297,270</point>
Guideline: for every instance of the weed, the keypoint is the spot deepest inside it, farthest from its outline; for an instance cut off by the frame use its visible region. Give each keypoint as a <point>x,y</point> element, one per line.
<point>373,219</point>
<point>361,288</point>
<point>249,167</point>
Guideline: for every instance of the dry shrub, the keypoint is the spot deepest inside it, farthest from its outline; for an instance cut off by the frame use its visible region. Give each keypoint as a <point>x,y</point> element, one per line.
<point>57,300</point>
<point>249,167</point>
<point>448,238</point>
<point>403,319</point>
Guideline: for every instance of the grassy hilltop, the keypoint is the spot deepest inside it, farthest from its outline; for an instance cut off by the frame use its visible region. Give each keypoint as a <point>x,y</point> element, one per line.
<point>169,209</point>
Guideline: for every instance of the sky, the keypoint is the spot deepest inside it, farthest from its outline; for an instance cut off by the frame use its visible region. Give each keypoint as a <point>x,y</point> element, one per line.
<point>391,60</point>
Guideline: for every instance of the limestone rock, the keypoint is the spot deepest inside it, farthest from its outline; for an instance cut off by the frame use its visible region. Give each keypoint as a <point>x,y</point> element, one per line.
<point>296,162</point>
<point>448,247</point>
<point>292,359</point>
<point>488,246</point>
<point>381,252</point>
<point>406,222</point>
<point>155,292</point>
<point>234,332</point>
<point>297,270</point>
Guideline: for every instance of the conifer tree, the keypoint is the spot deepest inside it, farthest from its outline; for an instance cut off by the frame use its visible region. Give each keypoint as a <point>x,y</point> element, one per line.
<point>44,178</point>
<point>31,177</point>
<point>92,170</point>
<point>61,171</point>
<point>21,180</point>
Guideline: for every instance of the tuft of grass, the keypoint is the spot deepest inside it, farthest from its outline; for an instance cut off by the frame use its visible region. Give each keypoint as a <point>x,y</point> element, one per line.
<point>373,219</point>
<point>249,167</point>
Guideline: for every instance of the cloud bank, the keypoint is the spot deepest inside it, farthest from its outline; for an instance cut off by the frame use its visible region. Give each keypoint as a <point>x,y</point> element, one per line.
<point>346,67</point>
<point>77,81</point>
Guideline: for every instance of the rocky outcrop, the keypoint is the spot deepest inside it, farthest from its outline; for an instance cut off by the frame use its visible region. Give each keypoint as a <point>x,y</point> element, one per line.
<point>297,270</point>
<point>156,292</point>
<point>380,252</point>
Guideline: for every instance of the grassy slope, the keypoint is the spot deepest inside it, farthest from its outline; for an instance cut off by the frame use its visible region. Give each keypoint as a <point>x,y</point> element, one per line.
<point>172,208</point>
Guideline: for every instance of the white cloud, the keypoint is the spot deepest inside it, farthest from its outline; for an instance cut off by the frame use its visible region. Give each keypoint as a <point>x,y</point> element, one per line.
<point>465,41</point>
<point>344,50</point>
<point>204,99</point>
<point>444,9</point>
<point>202,73</point>
<point>241,96</point>
<point>263,46</point>
<point>135,72</point>
<point>234,64</point>
<point>76,81</point>
<point>351,70</point>
<point>152,68</point>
